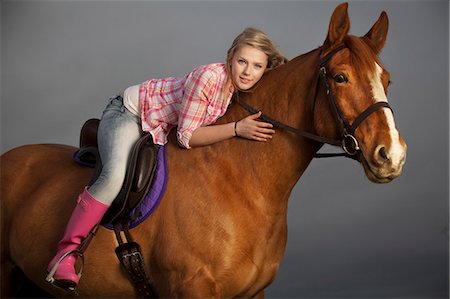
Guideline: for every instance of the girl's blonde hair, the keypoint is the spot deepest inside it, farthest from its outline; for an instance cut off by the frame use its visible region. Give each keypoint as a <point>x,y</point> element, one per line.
<point>259,40</point>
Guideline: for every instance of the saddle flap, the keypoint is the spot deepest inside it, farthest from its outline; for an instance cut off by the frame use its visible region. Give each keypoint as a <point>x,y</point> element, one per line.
<point>146,157</point>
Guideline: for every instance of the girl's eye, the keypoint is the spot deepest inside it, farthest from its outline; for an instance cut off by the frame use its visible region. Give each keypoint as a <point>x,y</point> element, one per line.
<point>258,66</point>
<point>341,78</point>
<point>241,61</point>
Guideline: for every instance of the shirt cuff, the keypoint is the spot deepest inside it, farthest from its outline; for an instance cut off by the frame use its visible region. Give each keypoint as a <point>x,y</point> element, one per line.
<point>183,138</point>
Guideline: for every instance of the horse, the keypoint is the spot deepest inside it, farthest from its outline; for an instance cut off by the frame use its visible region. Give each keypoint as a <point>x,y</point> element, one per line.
<point>221,227</point>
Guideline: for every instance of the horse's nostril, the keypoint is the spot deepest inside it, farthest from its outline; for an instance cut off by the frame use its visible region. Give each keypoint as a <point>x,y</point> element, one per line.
<point>382,155</point>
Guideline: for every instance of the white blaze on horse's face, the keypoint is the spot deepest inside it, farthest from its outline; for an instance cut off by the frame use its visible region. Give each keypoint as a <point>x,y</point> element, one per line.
<point>394,153</point>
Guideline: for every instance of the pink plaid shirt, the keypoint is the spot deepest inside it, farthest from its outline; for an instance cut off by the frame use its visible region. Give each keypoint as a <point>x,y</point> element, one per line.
<point>197,99</point>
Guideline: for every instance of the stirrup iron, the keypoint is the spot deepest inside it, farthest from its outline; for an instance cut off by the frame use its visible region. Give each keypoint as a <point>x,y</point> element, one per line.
<point>50,279</point>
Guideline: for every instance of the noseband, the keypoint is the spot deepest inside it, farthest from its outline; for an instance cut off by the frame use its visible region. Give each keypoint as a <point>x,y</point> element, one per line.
<point>347,141</point>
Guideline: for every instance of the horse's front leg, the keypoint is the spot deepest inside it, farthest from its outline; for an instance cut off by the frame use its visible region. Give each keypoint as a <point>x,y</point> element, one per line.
<point>200,285</point>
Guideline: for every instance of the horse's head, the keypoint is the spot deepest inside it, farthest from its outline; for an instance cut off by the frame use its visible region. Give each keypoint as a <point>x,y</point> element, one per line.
<point>356,81</point>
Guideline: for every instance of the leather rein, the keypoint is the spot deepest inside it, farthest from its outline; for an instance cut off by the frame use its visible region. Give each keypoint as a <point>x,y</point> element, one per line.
<point>348,141</point>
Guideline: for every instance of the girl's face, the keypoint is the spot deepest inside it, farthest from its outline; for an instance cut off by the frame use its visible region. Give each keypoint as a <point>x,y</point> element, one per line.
<point>247,66</point>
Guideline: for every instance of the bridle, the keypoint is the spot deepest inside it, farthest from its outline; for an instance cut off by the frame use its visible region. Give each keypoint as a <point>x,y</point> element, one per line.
<point>347,141</point>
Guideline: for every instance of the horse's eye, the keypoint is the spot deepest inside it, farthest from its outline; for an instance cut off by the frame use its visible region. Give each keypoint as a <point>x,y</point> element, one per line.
<point>341,78</point>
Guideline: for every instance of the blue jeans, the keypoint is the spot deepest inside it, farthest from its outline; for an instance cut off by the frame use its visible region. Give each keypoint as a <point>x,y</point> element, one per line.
<point>118,131</point>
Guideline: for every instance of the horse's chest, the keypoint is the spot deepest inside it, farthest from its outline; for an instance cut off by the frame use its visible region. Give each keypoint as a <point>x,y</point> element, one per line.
<point>250,277</point>
<point>258,264</point>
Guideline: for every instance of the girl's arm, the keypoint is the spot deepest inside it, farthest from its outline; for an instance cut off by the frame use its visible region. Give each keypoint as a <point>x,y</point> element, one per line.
<point>248,127</point>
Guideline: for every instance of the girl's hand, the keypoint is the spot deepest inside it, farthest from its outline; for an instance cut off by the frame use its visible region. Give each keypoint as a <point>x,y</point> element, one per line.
<point>253,129</point>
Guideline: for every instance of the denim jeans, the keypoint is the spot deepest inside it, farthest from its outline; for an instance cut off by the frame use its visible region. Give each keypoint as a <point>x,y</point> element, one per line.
<point>118,131</point>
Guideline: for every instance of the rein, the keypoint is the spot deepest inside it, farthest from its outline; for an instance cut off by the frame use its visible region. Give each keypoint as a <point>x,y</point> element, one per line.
<point>283,126</point>
<point>348,141</point>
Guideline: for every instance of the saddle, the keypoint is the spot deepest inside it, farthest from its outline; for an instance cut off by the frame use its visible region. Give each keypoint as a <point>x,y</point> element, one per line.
<point>138,178</point>
<point>140,172</point>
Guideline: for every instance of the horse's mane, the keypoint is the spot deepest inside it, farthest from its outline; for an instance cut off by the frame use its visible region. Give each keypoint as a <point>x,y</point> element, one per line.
<point>286,69</point>
<point>296,60</point>
<point>362,58</point>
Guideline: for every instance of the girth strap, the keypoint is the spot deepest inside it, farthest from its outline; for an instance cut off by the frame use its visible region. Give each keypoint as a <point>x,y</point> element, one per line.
<point>130,257</point>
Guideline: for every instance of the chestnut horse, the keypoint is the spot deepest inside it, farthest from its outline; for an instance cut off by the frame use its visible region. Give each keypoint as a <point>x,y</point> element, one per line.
<point>220,230</point>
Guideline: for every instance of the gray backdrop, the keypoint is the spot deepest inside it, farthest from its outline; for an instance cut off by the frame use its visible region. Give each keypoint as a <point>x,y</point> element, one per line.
<point>61,60</point>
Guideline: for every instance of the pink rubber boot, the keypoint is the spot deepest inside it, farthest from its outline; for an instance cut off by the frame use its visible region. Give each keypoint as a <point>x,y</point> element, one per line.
<point>87,213</point>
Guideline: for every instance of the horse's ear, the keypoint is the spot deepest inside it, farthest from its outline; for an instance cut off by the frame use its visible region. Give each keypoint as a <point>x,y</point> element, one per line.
<point>339,27</point>
<point>377,34</point>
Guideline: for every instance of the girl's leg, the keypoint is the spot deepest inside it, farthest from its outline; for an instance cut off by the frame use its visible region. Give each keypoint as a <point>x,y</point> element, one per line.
<point>118,132</point>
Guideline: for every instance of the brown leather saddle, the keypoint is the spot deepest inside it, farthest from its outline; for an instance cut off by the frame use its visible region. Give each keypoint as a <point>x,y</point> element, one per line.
<point>138,178</point>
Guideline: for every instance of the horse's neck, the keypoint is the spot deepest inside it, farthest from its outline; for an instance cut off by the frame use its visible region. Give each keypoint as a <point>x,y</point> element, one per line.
<point>286,94</point>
